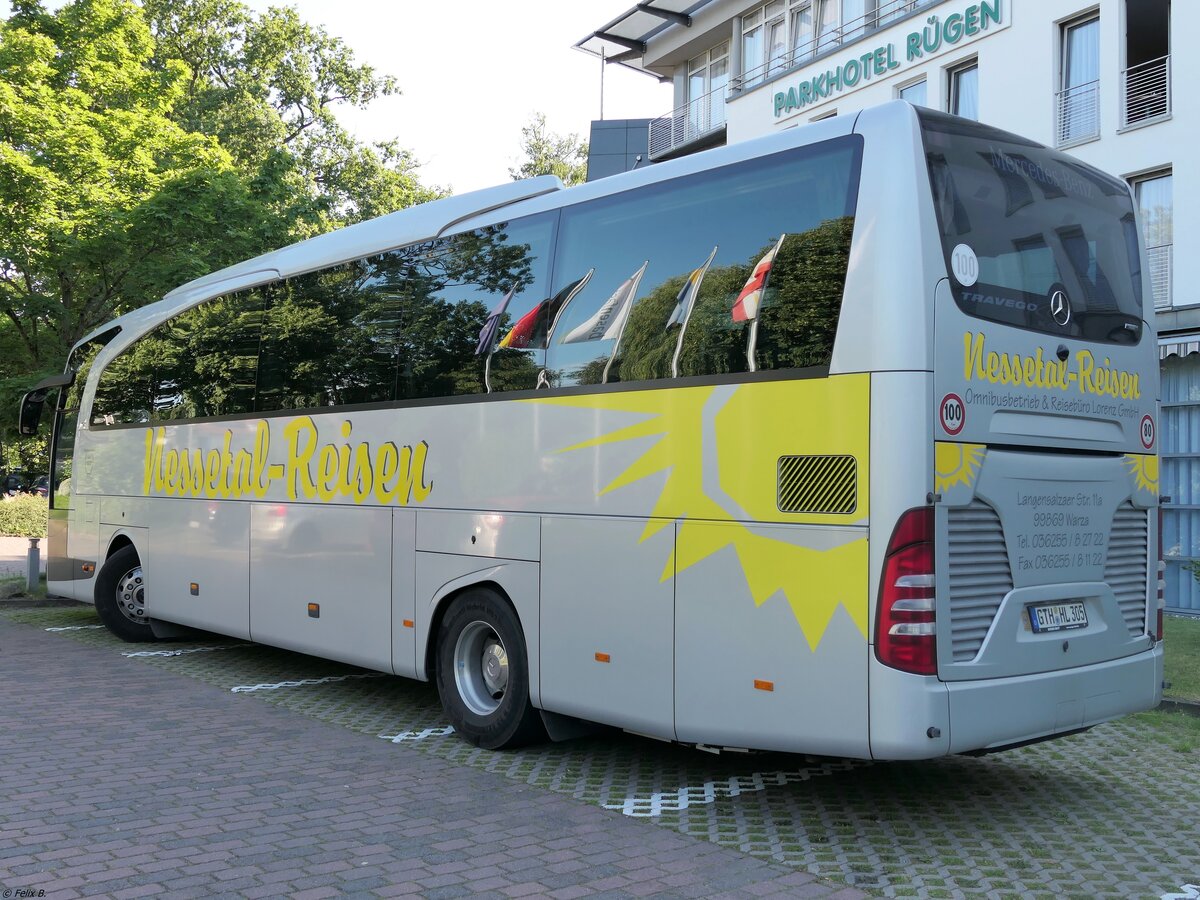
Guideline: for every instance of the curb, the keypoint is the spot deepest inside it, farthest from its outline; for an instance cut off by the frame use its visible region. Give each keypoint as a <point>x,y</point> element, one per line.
<point>1187,707</point>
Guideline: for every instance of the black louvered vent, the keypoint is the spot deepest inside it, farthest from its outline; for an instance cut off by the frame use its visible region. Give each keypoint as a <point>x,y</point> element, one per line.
<point>818,484</point>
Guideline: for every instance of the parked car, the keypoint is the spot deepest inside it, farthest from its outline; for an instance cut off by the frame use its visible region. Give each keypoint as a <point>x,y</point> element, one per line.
<point>13,483</point>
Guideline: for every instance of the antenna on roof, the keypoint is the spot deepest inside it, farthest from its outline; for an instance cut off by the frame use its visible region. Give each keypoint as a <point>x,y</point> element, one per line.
<point>602,64</point>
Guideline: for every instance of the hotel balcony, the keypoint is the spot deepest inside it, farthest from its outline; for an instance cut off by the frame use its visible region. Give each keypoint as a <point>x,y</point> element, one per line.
<point>1146,92</point>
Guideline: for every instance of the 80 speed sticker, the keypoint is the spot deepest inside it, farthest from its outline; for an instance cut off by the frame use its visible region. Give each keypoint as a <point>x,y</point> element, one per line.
<point>1147,432</point>
<point>953,414</point>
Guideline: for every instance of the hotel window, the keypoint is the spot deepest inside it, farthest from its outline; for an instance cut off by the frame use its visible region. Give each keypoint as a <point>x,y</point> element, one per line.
<point>1155,198</point>
<point>964,90</point>
<point>915,93</point>
<point>785,33</point>
<point>708,75</point>
<point>800,32</point>
<point>889,11</point>
<point>1078,106</point>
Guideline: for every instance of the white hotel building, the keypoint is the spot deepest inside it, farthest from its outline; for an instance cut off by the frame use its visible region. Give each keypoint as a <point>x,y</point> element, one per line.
<point>1097,79</point>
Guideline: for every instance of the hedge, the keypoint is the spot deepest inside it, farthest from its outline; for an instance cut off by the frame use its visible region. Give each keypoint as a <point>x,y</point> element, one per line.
<point>23,516</point>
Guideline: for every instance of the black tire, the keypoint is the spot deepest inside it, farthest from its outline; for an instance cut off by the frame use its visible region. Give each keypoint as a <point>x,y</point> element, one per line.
<point>120,572</point>
<point>501,719</point>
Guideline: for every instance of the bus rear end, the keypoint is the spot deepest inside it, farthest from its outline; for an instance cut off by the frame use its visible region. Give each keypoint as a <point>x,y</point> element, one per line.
<point>1021,601</point>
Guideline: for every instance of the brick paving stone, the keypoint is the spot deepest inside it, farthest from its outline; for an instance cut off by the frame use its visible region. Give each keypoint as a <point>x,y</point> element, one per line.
<point>234,795</point>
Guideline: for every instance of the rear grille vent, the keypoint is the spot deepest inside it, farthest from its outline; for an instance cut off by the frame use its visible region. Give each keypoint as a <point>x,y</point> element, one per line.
<point>980,576</point>
<point>1125,570</point>
<point>818,484</point>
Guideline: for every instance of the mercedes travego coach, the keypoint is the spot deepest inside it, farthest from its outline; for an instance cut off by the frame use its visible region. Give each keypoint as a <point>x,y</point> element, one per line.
<point>840,441</point>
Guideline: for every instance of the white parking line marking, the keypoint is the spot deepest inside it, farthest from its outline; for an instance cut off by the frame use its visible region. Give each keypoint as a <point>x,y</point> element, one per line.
<point>182,652</point>
<point>247,688</point>
<point>74,627</point>
<point>1190,892</point>
<point>418,735</point>
<point>672,801</point>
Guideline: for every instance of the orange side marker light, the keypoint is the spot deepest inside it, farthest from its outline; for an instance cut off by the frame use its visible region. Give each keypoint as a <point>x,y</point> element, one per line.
<point>760,685</point>
<point>408,623</point>
<point>314,610</point>
<point>603,657</point>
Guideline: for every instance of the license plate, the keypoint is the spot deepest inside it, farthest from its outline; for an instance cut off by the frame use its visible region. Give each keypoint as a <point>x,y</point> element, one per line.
<point>1057,617</point>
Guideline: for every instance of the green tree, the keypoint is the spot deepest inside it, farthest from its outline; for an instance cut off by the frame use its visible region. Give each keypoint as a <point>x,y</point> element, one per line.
<point>547,153</point>
<point>143,146</point>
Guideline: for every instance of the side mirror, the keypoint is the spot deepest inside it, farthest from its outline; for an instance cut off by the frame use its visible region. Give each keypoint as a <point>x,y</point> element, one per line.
<point>35,399</point>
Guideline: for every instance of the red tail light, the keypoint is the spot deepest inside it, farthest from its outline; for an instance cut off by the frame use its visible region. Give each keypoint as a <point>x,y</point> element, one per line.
<point>1162,581</point>
<point>905,626</point>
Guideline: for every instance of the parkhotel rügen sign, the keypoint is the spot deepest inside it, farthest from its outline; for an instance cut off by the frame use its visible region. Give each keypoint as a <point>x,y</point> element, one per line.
<point>936,35</point>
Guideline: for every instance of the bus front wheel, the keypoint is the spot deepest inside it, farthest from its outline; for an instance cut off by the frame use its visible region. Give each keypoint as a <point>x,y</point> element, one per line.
<point>121,596</point>
<point>483,672</point>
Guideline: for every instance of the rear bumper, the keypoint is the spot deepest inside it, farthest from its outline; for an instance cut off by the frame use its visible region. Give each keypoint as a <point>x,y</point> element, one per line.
<point>1003,711</point>
<point>919,717</point>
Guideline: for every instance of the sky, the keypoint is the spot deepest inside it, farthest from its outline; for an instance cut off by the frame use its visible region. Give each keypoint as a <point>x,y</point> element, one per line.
<point>473,72</point>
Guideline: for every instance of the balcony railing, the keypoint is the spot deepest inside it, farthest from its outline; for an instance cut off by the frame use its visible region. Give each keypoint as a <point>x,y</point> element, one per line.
<point>1158,260</point>
<point>1078,116</point>
<point>1146,91</point>
<point>685,124</point>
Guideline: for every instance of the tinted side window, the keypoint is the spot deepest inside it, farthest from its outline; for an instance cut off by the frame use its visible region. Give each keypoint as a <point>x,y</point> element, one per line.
<point>203,362</point>
<point>209,358</point>
<point>470,307</point>
<point>329,339</point>
<point>701,274</point>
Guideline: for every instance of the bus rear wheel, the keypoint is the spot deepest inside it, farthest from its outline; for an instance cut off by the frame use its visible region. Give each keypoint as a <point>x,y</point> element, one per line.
<point>483,673</point>
<point>121,597</point>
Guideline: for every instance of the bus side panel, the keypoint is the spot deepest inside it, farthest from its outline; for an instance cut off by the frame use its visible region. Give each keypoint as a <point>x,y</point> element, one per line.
<point>607,613</point>
<point>200,542</point>
<point>786,673</point>
<point>404,611</point>
<point>339,558</point>
<point>904,707</point>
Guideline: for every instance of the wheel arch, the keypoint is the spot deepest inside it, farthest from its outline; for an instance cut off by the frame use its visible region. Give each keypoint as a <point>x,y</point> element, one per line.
<point>516,582</point>
<point>443,603</point>
<point>119,540</point>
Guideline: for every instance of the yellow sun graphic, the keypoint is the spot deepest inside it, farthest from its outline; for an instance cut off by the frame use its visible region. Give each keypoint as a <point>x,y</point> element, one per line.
<point>813,581</point>
<point>956,464</point>
<point>1144,469</point>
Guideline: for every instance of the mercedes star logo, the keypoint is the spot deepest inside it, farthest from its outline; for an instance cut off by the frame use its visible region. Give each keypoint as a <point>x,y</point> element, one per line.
<point>1060,307</point>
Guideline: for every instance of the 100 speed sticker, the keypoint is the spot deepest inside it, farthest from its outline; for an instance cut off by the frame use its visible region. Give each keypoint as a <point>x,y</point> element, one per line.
<point>953,414</point>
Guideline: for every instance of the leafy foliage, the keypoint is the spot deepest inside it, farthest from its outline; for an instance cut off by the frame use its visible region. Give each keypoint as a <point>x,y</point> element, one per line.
<point>143,146</point>
<point>547,153</point>
<point>23,516</point>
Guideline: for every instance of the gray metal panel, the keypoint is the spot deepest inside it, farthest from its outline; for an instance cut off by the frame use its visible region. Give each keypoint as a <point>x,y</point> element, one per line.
<point>724,644</point>
<point>1125,568</point>
<point>607,140</point>
<point>202,541</point>
<point>494,535</point>
<point>886,322</point>
<point>336,556</point>
<point>1033,528</point>
<point>976,362</point>
<point>903,709</point>
<point>606,165</point>
<point>404,566</point>
<point>603,593</point>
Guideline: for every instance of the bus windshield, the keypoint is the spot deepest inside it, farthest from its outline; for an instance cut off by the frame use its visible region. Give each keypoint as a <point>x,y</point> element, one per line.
<point>1033,238</point>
